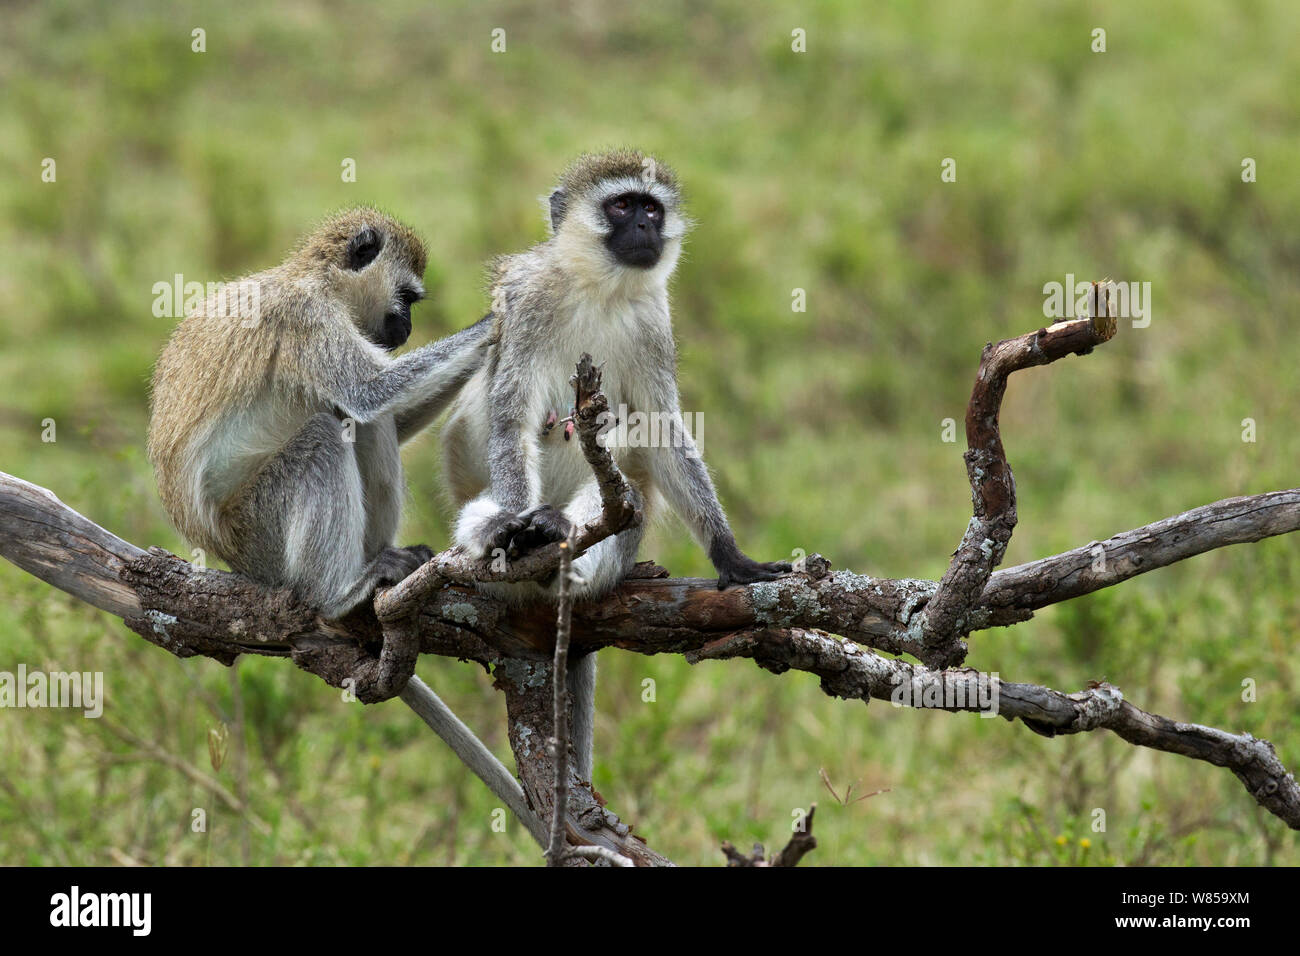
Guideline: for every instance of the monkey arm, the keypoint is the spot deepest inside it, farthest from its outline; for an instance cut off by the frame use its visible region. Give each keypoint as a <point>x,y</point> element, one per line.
<point>420,383</point>
<point>679,472</point>
<point>416,417</point>
<point>504,510</point>
<point>513,455</point>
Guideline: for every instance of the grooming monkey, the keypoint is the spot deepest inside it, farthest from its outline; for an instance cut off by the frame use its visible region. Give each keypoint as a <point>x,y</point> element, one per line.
<point>598,285</point>
<point>274,436</point>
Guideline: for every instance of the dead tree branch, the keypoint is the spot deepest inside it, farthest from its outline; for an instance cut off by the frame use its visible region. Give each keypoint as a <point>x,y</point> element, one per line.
<point>559,744</point>
<point>1101,564</point>
<point>799,846</point>
<point>530,714</point>
<point>855,673</point>
<point>947,618</point>
<point>781,624</point>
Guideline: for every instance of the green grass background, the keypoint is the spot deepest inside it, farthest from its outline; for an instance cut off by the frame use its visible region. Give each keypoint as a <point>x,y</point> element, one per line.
<point>817,171</point>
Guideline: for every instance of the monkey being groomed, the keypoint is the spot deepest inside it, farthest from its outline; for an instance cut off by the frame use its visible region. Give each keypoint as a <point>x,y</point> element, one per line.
<point>275,426</point>
<point>598,285</point>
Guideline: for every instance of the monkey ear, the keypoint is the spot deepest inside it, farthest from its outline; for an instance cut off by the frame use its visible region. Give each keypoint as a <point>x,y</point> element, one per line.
<point>363,248</point>
<point>559,199</point>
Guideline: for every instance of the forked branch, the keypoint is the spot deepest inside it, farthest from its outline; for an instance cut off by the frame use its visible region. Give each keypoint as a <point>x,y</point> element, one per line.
<point>948,618</point>
<point>781,624</point>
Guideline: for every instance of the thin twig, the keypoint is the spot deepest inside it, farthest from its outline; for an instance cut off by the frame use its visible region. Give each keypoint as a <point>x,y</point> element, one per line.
<point>560,742</point>
<point>802,843</point>
<point>599,853</point>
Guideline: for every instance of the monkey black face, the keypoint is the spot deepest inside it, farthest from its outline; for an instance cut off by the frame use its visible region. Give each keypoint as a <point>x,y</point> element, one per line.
<point>636,234</point>
<point>397,321</point>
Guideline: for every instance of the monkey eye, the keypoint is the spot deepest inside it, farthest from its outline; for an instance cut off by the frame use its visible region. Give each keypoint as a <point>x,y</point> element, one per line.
<point>652,208</point>
<point>409,296</point>
<point>617,208</point>
<point>363,248</point>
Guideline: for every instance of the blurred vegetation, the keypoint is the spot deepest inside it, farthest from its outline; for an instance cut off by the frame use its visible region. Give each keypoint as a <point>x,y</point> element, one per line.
<point>817,171</point>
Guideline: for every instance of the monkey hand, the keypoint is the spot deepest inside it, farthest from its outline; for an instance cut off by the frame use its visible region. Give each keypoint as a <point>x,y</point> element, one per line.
<point>422,552</point>
<point>735,567</point>
<point>517,534</point>
<point>544,524</point>
<point>498,531</point>
<point>394,564</point>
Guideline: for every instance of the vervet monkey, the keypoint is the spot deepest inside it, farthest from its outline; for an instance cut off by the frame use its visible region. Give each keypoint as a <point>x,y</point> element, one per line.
<point>275,425</point>
<point>598,285</point>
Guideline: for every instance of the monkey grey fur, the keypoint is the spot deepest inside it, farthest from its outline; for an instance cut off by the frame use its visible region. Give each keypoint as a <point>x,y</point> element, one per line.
<point>598,285</point>
<point>274,430</point>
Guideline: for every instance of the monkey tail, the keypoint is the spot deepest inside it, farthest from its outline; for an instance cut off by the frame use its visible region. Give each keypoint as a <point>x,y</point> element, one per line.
<point>582,691</point>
